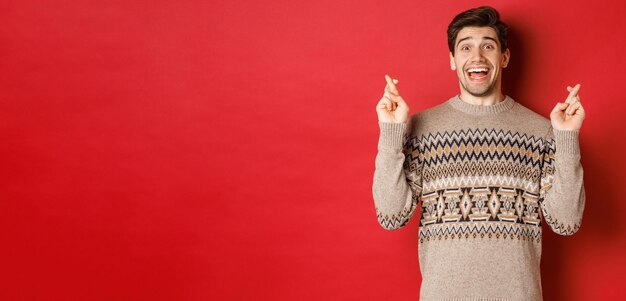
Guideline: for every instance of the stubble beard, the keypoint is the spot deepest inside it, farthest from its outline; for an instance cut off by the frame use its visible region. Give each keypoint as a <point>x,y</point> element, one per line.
<point>479,91</point>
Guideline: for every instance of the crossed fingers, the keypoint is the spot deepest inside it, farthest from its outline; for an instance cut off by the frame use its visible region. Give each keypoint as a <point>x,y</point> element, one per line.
<point>573,100</point>
<point>391,92</point>
<point>391,88</point>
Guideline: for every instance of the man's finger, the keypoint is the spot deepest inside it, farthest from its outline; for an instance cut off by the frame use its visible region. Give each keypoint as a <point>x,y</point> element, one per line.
<point>560,106</point>
<point>390,83</point>
<point>571,110</point>
<point>388,90</point>
<point>573,92</point>
<point>397,101</point>
<point>392,86</point>
<point>381,104</point>
<point>580,111</point>
<point>393,98</point>
<point>386,103</point>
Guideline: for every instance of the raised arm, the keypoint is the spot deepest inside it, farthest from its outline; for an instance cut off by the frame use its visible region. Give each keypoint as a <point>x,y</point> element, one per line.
<point>397,176</point>
<point>562,193</point>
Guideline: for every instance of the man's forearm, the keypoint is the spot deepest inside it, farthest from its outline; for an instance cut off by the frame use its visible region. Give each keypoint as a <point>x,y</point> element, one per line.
<point>393,197</point>
<point>564,201</point>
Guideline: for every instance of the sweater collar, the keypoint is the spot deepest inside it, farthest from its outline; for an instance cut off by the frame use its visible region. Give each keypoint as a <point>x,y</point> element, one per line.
<point>473,109</point>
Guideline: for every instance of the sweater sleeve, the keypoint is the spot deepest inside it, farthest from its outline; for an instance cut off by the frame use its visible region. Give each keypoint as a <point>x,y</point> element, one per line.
<point>562,194</point>
<point>397,177</point>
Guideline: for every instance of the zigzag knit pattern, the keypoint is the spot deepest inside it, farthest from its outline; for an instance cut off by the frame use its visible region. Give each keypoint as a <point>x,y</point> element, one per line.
<point>398,220</point>
<point>559,227</point>
<point>479,183</point>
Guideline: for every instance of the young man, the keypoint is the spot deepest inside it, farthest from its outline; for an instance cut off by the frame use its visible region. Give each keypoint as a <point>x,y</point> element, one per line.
<point>486,170</point>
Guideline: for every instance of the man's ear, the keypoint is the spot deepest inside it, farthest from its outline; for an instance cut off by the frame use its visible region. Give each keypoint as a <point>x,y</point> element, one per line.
<point>452,63</point>
<point>506,56</point>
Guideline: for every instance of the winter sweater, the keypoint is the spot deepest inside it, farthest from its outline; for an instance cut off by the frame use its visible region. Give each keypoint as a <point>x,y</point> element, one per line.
<point>485,176</point>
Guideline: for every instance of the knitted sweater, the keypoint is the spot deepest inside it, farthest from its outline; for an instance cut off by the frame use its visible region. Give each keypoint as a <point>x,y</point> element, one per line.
<point>485,175</point>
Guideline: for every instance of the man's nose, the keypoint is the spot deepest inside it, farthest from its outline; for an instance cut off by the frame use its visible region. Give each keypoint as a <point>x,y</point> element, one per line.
<point>477,55</point>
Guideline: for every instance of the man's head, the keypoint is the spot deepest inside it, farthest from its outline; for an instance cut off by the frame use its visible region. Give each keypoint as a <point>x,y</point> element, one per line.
<point>483,16</point>
<point>477,40</point>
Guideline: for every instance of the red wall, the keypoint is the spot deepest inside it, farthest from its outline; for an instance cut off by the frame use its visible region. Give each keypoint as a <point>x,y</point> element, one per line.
<point>222,150</point>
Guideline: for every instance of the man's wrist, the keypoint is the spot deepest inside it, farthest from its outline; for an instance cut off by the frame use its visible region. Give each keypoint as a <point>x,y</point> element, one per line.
<point>567,141</point>
<point>391,135</point>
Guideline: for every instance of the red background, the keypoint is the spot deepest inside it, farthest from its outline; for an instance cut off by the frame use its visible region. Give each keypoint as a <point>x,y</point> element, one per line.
<point>224,150</point>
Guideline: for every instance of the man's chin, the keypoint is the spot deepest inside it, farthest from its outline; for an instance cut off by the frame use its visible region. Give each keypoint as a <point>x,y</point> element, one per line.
<point>480,91</point>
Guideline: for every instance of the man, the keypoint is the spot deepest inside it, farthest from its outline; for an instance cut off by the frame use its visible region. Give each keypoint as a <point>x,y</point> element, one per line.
<point>486,170</point>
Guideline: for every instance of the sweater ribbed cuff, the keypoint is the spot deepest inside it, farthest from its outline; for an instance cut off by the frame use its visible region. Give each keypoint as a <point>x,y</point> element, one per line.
<point>391,135</point>
<point>566,141</point>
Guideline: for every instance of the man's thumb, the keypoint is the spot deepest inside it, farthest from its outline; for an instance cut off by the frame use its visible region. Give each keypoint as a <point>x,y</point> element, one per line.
<point>560,107</point>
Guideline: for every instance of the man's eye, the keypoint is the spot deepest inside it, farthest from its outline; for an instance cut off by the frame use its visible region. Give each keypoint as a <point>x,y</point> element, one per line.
<point>464,48</point>
<point>489,46</point>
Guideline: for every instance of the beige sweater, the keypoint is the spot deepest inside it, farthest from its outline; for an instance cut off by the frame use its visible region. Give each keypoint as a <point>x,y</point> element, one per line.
<point>485,175</point>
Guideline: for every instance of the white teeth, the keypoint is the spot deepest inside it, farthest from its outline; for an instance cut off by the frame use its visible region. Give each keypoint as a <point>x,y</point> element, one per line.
<point>477,70</point>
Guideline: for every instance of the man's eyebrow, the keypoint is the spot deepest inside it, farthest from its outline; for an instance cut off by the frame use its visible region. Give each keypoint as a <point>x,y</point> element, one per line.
<point>484,38</point>
<point>463,39</point>
<point>490,38</point>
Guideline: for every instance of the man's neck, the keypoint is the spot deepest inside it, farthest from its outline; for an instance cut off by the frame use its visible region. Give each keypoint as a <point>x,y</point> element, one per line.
<point>488,100</point>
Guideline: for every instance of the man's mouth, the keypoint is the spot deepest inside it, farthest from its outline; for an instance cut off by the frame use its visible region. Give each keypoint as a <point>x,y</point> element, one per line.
<point>477,73</point>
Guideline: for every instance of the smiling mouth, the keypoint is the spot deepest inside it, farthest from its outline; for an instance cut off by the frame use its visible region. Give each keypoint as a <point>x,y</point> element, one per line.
<point>477,73</point>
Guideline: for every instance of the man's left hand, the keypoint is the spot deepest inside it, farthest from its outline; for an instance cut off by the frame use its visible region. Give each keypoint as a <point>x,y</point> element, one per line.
<point>568,115</point>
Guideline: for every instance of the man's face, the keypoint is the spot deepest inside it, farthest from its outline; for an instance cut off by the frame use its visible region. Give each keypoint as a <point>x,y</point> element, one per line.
<point>478,60</point>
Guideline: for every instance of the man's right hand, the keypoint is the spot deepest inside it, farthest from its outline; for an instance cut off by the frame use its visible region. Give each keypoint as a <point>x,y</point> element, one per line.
<point>392,108</point>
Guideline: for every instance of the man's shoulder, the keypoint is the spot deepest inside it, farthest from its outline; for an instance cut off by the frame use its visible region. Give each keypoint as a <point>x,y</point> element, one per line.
<point>429,118</point>
<point>434,111</point>
<point>530,116</point>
